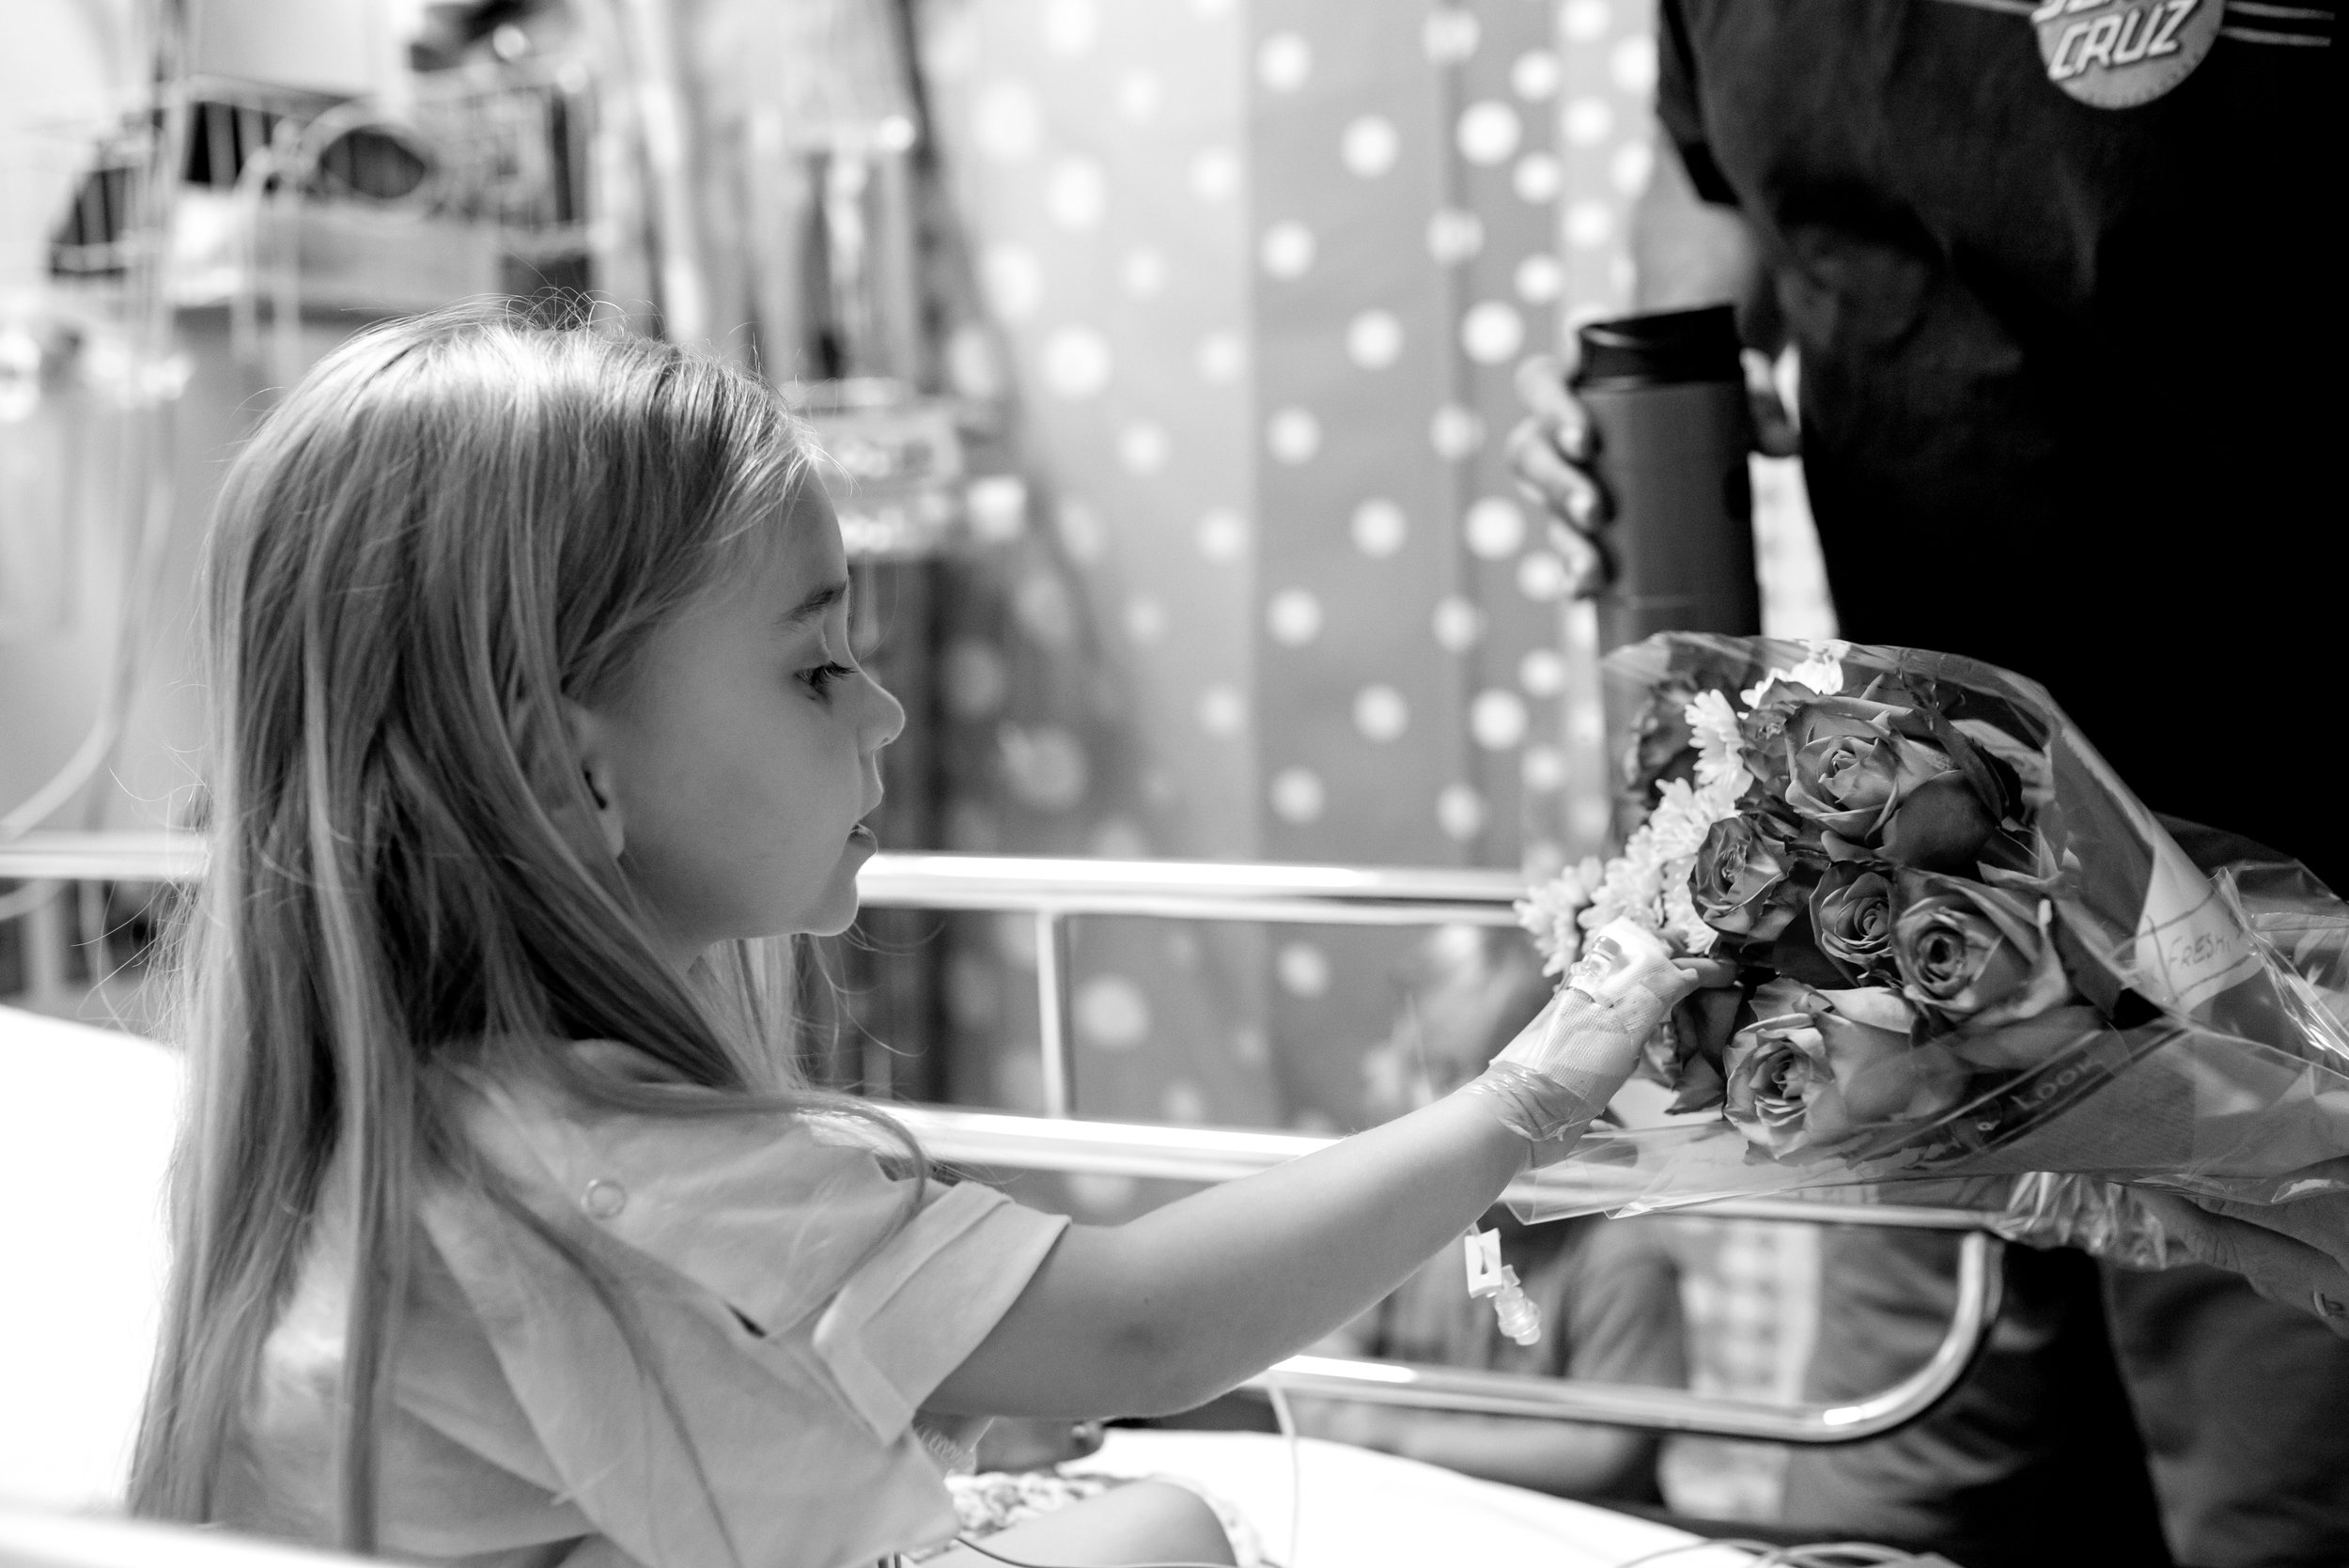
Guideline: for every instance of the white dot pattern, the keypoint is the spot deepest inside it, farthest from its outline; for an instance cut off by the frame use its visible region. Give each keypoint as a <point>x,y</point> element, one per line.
<point>1628,168</point>
<point>1284,62</point>
<point>1110,1013</point>
<point>1009,125</point>
<point>1489,131</point>
<point>1144,447</point>
<point>1632,64</point>
<point>1081,531</point>
<point>1492,332</point>
<point>1287,250</point>
<point>1297,794</point>
<point>1381,714</point>
<point>1588,122</point>
<point>1495,528</point>
<point>1224,535</point>
<point>1222,711</point>
<point>1589,225</point>
<point>974,679</point>
<point>1293,435</point>
<point>1460,812</point>
<point>1076,362</point>
<point>1303,969</point>
<point>997,507</point>
<point>1293,616</point>
<point>1142,274</point>
<point>1235,261</point>
<point>1014,281</point>
<point>1458,624</point>
<point>1539,279</point>
<point>1537,177</point>
<point>1542,577</point>
<point>1370,147</point>
<point>1535,75</point>
<point>1145,619</point>
<point>1497,719</point>
<point>1378,528</point>
<point>1374,339</point>
<point>1184,1102</point>
<point>1544,769</point>
<point>1543,672</point>
<point>1455,432</point>
<point>1449,34</point>
<point>1584,21</point>
<point>1215,175</point>
<point>1070,27</point>
<point>1140,96</point>
<point>1045,767</point>
<point>1454,236</point>
<point>1222,358</point>
<point>1077,194</point>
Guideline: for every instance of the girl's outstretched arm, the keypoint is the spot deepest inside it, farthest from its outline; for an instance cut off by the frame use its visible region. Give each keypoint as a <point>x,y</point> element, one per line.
<point>1172,1309</point>
<point>1168,1310</point>
<point>1182,1303</point>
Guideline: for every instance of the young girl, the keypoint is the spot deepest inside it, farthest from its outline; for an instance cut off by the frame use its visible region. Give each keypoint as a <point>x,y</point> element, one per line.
<point>503,1233</point>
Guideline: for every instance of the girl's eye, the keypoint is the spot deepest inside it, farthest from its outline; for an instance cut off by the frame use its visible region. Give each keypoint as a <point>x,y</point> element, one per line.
<point>821,678</point>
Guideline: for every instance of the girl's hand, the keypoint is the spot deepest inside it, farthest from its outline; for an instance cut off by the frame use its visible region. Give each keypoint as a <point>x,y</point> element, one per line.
<point>1562,1068</point>
<point>2295,1255</point>
<point>1709,973</point>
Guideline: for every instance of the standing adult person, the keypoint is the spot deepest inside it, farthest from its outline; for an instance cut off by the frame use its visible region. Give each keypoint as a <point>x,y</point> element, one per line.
<point>2068,349</point>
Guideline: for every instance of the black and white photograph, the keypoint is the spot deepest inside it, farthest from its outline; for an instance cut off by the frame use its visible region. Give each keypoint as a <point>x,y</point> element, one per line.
<point>1153,783</point>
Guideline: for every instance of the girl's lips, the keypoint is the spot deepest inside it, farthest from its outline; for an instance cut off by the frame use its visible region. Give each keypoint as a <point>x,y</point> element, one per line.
<point>862,834</point>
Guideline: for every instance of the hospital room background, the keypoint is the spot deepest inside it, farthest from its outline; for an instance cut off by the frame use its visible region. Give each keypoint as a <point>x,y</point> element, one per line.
<point>1165,353</point>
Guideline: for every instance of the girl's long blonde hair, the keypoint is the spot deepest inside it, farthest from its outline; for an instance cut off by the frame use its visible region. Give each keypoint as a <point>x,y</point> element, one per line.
<point>452,526</point>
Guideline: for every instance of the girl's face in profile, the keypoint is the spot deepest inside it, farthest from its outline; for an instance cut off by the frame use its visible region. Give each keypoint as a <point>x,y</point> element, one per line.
<point>736,767</point>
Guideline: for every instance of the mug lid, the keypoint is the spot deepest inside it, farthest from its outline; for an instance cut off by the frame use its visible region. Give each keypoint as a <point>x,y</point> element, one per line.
<point>1660,347</point>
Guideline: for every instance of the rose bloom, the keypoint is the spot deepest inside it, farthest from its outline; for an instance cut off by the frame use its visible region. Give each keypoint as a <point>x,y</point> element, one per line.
<point>1851,916</point>
<point>1816,1068</point>
<point>1971,956</point>
<point>1739,881</point>
<point>1685,1055</point>
<point>1765,730</point>
<point>1869,787</point>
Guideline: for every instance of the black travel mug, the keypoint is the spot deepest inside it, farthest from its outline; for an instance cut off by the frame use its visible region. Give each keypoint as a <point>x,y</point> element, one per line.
<point>1667,398</point>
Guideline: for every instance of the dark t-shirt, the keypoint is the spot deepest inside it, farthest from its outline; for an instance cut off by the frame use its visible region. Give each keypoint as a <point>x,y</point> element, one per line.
<point>1609,1297</point>
<point>2031,1463</point>
<point>2069,401</point>
<point>2069,373</point>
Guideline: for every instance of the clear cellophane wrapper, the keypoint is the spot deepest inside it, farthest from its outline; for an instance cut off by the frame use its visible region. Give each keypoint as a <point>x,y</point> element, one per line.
<point>2205,1050</point>
<point>1555,1078</point>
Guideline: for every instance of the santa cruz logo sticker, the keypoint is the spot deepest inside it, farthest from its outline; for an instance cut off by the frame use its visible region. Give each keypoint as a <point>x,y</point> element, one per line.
<point>2117,53</point>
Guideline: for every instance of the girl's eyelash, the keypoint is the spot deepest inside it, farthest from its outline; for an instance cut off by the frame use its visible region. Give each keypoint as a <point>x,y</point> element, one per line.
<point>822,675</point>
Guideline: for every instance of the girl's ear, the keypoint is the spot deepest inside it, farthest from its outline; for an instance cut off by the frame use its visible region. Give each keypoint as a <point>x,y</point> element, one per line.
<point>590,744</point>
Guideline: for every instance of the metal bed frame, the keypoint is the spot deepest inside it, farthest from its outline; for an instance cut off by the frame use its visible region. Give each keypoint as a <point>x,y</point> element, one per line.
<point>1051,892</point>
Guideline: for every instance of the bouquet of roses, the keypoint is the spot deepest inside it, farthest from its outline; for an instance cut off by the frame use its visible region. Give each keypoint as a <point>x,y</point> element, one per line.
<point>1953,945</point>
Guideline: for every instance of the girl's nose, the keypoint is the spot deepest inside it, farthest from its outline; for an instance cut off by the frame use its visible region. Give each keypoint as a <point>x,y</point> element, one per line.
<point>885,716</point>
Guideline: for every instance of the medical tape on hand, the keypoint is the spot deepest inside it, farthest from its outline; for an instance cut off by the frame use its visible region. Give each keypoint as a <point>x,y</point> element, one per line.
<point>1540,1107</point>
<point>1551,1080</point>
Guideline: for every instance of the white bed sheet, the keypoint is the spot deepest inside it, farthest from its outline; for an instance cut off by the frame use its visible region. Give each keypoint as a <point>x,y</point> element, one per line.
<point>86,1120</point>
<point>1358,1509</point>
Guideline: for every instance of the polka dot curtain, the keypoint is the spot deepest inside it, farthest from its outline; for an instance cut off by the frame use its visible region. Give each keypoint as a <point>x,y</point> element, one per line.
<point>1261,271</point>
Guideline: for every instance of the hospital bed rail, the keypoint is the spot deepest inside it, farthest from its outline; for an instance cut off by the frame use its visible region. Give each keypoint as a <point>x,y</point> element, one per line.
<point>1052,892</point>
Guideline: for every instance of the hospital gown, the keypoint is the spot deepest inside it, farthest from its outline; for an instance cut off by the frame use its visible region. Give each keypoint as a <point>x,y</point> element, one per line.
<point>792,1336</point>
